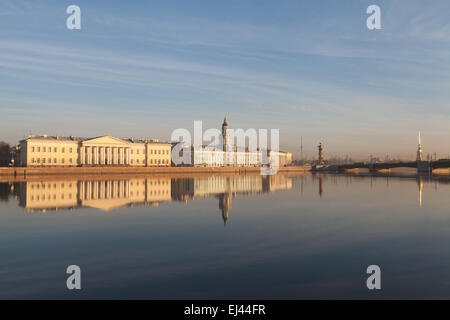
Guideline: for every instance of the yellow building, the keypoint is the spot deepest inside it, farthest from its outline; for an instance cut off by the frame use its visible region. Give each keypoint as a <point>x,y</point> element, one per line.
<point>100,194</point>
<point>101,151</point>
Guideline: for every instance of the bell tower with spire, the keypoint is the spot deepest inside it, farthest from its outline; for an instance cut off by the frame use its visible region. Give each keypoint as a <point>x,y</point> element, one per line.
<point>226,136</point>
<point>419,149</point>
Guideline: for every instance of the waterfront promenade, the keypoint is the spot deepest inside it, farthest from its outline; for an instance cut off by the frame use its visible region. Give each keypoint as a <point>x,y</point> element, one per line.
<point>30,171</point>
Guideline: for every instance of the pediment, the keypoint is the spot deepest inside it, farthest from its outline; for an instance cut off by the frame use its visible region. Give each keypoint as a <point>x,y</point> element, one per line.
<point>105,140</point>
<point>105,205</point>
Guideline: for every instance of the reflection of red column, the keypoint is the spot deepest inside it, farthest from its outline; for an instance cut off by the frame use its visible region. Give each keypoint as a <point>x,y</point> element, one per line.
<point>320,153</point>
<point>320,185</point>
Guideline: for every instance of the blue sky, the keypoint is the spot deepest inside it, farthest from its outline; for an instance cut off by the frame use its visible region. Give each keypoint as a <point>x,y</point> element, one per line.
<point>309,68</point>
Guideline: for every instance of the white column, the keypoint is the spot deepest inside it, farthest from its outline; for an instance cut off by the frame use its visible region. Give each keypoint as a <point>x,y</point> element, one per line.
<point>88,153</point>
<point>88,191</point>
<point>108,189</point>
<point>81,190</point>
<point>120,188</point>
<point>114,155</point>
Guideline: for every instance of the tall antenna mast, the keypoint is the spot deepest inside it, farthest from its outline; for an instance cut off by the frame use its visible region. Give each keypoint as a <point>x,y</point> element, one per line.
<point>301,149</point>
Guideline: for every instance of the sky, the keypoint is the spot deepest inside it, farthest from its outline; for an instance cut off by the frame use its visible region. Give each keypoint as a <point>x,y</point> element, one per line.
<point>311,69</point>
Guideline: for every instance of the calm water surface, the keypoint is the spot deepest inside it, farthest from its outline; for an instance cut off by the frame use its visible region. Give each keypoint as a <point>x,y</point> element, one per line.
<point>237,237</point>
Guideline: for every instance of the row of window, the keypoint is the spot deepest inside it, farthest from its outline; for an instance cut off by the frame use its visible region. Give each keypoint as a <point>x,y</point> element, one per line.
<point>43,197</point>
<point>49,160</point>
<point>49,197</point>
<point>152,193</point>
<point>49,149</point>
<point>159,151</point>
<point>55,160</point>
<point>49,186</point>
<point>70,150</point>
<point>152,151</point>
<point>159,161</point>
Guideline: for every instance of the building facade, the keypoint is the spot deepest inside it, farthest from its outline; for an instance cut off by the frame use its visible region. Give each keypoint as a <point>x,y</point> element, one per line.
<point>104,195</point>
<point>228,154</point>
<point>50,151</point>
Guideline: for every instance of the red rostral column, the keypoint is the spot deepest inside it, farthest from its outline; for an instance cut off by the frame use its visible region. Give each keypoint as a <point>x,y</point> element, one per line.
<point>320,146</point>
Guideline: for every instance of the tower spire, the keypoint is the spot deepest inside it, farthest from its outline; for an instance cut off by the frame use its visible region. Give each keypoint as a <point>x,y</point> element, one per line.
<point>419,148</point>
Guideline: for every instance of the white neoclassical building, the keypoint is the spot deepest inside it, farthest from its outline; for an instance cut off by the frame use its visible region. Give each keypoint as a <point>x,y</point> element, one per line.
<point>229,155</point>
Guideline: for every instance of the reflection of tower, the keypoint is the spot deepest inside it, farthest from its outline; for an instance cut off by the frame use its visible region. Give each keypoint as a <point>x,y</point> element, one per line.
<point>320,185</point>
<point>419,149</point>
<point>420,184</point>
<point>225,206</point>
<point>320,146</point>
<point>226,136</point>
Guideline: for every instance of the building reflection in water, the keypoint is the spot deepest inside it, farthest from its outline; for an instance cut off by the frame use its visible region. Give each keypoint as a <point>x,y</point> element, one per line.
<point>420,185</point>
<point>108,194</point>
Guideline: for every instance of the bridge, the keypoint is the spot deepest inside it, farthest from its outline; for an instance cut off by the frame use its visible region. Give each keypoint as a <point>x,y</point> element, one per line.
<point>421,166</point>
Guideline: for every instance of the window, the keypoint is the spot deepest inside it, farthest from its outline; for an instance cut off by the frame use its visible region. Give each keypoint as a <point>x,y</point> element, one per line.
<point>132,161</point>
<point>39,149</point>
<point>54,160</point>
<point>151,161</point>
<point>62,150</point>
<point>131,151</point>
<point>32,149</point>
<point>151,151</point>
<point>32,160</point>
<point>43,160</point>
<point>62,160</point>
<point>43,149</point>
<point>137,161</point>
<point>54,149</point>
<point>137,151</point>
<point>70,160</point>
<point>49,160</point>
<point>159,151</point>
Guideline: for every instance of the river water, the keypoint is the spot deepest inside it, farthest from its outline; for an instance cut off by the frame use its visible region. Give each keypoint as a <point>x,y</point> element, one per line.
<point>225,237</point>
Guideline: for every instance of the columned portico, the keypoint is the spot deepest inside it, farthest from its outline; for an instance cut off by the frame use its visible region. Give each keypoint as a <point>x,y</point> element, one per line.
<point>105,151</point>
